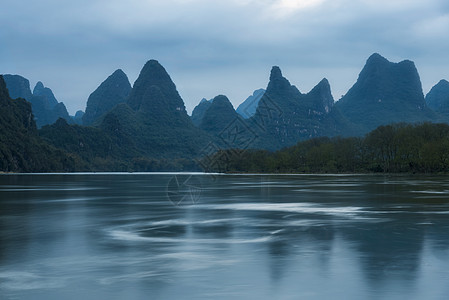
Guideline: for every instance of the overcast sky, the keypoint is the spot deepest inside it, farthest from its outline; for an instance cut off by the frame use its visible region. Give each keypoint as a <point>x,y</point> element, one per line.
<point>218,47</point>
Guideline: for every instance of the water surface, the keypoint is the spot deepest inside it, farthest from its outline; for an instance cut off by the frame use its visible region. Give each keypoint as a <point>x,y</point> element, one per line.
<point>196,236</point>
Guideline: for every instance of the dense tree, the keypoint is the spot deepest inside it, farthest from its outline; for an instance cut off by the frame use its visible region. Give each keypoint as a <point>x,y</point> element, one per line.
<point>21,149</point>
<point>396,148</point>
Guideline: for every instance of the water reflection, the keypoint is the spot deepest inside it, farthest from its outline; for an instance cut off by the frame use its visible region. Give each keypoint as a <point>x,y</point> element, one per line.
<point>118,236</point>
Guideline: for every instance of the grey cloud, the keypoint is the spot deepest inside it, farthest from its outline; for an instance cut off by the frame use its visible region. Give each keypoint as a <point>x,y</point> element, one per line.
<point>207,46</point>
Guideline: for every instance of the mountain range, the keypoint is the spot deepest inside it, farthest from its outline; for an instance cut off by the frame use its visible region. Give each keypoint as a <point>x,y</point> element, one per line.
<point>146,127</point>
<point>46,109</point>
<point>21,148</point>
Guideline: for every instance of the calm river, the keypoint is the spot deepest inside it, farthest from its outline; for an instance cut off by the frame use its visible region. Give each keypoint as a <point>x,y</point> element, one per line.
<point>197,236</point>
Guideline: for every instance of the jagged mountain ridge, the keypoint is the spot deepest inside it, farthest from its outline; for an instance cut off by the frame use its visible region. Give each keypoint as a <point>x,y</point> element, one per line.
<point>283,115</point>
<point>21,149</point>
<point>154,118</point>
<point>46,109</point>
<point>286,116</point>
<point>153,124</point>
<point>136,137</point>
<point>382,88</point>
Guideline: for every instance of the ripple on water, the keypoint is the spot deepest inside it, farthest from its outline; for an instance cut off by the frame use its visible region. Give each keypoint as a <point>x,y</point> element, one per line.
<point>288,207</point>
<point>134,236</point>
<point>21,280</point>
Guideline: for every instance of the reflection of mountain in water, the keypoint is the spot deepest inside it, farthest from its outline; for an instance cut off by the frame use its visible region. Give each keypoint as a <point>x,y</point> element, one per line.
<point>351,237</point>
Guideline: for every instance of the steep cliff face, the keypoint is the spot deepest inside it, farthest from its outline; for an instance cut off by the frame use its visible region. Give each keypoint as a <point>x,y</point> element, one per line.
<point>248,107</point>
<point>438,98</point>
<point>46,109</point>
<point>155,94</point>
<point>18,86</point>
<point>21,149</point>
<point>385,93</point>
<point>154,118</point>
<point>199,111</point>
<point>47,94</point>
<point>114,90</point>
<point>285,115</point>
<point>319,100</point>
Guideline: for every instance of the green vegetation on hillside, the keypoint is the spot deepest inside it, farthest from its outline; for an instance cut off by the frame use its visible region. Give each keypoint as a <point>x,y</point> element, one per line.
<point>46,109</point>
<point>147,128</point>
<point>114,90</point>
<point>394,148</point>
<point>385,93</point>
<point>21,149</point>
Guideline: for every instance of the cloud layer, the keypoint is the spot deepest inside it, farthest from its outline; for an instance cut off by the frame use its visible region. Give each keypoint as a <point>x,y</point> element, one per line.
<point>218,47</point>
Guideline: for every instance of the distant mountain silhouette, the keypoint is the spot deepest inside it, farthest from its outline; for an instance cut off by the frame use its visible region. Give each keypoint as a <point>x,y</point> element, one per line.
<point>21,149</point>
<point>319,100</point>
<point>18,86</point>
<point>114,90</point>
<point>199,110</point>
<point>248,108</point>
<point>147,128</point>
<point>154,119</point>
<point>78,117</point>
<point>47,94</point>
<point>155,93</point>
<point>438,98</point>
<point>385,93</point>
<point>285,115</point>
<point>46,109</point>
<point>218,115</point>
